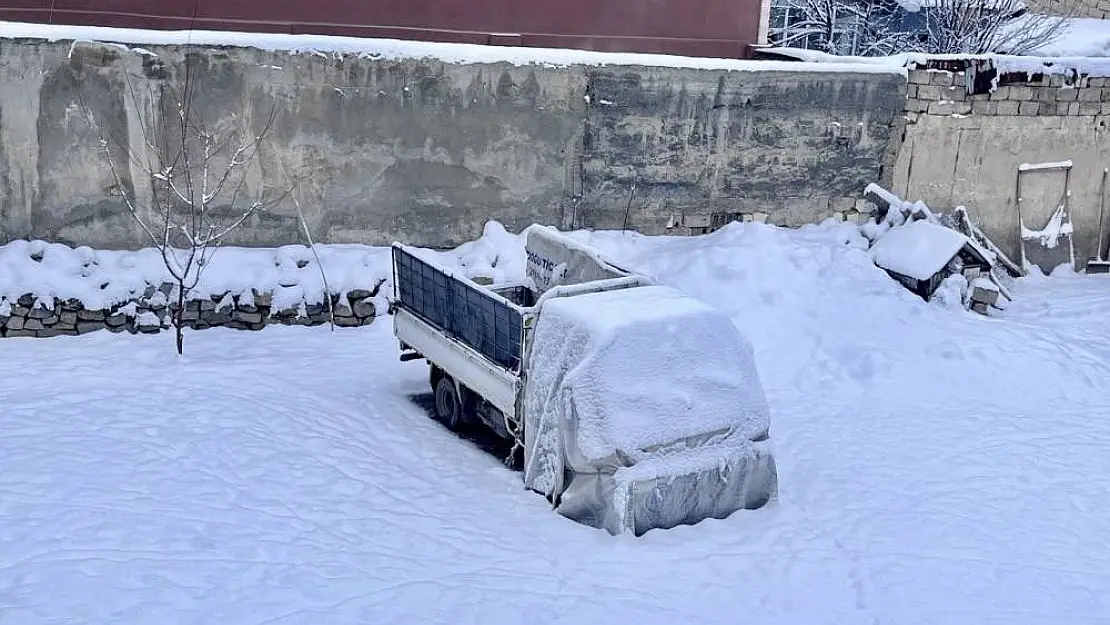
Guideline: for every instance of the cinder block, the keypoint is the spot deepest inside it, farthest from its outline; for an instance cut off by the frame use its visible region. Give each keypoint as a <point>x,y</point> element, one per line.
<point>1047,108</point>
<point>930,92</point>
<point>920,76</point>
<point>1029,109</point>
<point>949,107</point>
<point>1067,95</point>
<point>1090,95</point>
<point>981,107</point>
<point>1001,93</point>
<point>1096,82</point>
<point>1090,108</point>
<point>1008,108</point>
<point>1021,94</point>
<point>1105,93</point>
<point>940,108</point>
<point>917,106</point>
<point>985,296</point>
<point>1056,80</point>
<point>944,79</point>
<point>1073,109</point>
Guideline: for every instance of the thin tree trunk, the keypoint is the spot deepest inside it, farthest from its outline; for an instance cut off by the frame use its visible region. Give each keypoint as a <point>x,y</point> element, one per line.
<point>179,318</point>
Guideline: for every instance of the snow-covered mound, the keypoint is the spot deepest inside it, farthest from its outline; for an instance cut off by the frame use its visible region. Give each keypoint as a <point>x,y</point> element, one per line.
<point>100,279</point>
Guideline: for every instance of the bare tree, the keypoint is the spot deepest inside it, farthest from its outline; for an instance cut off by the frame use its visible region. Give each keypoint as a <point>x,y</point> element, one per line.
<point>878,28</point>
<point>991,26</point>
<point>197,176</point>
<point>844,27</point>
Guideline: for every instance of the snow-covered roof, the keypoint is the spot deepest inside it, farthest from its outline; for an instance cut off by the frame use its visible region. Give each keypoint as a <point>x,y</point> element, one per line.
<point>918,249</point>
<point>1085,37</point>
<point>398,49</point>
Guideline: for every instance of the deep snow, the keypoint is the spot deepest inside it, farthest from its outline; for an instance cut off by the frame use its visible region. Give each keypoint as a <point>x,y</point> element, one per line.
<point>935,466</point>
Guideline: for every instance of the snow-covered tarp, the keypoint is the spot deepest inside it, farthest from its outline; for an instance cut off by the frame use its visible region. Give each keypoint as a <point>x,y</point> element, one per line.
<point>918,249</point>
<point>644,409</point>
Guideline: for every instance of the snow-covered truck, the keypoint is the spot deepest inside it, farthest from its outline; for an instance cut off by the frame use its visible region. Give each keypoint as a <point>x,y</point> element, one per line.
<point>632,406</point>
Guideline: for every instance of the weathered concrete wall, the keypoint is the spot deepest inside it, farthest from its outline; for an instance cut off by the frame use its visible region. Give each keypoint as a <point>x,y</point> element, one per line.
<point>964,148</point>
<point>797,146</point>
<point>421,151</point>
<point>426,152</point>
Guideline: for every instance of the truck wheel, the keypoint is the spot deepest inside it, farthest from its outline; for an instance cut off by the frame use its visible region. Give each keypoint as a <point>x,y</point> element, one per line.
<point>449,407</point>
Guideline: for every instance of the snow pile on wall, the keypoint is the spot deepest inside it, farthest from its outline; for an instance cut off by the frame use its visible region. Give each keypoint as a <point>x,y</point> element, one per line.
<point>104,278</point>
<point>49,289</point>
<point>398,49</point>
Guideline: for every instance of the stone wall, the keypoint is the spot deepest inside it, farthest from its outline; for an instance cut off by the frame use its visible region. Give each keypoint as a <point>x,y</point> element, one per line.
<point>151,312</point>
<point>970,126</point>
<point>425,152</point>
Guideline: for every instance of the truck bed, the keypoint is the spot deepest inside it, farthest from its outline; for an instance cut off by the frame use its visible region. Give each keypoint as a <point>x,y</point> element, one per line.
<point>478,317</point>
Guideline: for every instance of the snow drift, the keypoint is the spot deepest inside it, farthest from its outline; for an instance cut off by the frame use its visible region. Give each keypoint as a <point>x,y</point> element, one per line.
<point>937,467</point>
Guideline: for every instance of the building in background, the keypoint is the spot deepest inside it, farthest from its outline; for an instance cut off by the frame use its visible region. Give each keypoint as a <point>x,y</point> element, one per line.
<point>716,28</point>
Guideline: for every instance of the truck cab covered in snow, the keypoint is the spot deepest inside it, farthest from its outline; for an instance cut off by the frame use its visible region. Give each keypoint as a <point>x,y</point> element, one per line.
<point>643,409</point>
<point>636,406</point>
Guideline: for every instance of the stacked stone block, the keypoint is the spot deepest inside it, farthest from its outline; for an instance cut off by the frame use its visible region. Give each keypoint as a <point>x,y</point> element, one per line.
<point>945,93</point>
<point>28,316</point>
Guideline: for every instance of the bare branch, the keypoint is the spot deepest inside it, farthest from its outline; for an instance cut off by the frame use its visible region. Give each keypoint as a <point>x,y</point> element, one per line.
<point>197,182</point>
<point>875,28</point>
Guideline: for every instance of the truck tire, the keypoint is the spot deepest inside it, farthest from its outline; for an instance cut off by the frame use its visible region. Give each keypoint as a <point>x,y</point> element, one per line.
<point>449,407</point>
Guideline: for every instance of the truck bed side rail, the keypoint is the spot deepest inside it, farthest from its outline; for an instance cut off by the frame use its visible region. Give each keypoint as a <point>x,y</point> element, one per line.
<point>481,319</point>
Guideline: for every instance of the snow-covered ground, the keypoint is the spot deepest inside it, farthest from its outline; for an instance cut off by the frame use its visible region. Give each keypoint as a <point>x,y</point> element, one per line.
<point>935,467</point>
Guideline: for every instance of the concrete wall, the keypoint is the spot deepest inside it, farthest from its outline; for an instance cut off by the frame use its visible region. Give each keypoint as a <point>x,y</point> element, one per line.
<point>425,152</point>
<point>964,148</point>
<point>796,146</point>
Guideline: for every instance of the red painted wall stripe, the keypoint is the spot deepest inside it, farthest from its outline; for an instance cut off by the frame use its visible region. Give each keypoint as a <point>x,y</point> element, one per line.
<point>723,28</point>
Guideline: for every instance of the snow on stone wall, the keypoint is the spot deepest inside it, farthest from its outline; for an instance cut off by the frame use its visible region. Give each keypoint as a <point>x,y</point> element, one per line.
<point>937,92</point>
<point>50,289</point>
<point>150,313</point>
